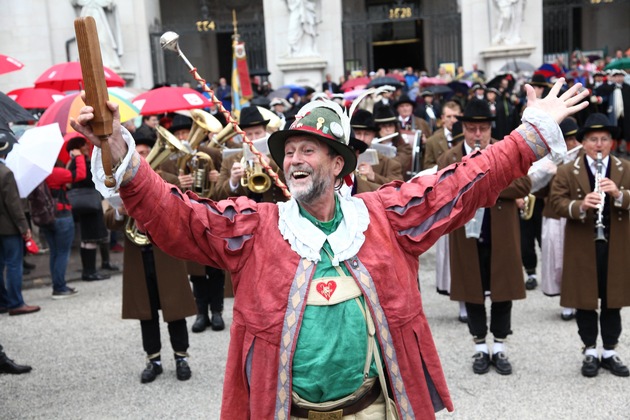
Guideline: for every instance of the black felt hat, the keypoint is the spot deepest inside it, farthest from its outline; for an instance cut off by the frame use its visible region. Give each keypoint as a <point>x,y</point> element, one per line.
<point>597,122</point>
<point>180,122</point>
<point>364,120</point>
<point>251,116</point>
<point>74,141</point>
<point>7,140</point>
<point>457,132</point>
<point>384,114</point>
<point>569,127</point>
<point>404,99</point>
<point>357,144</point>
<point>144,137</point>
<point>477,110</point>
<point>539,80</point>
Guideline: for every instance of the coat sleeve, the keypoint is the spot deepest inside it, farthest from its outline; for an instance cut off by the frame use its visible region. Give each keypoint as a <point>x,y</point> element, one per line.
<point>13,202</point>
<point>219,234</point>
<point>563,204</point>
<point>428,207</point>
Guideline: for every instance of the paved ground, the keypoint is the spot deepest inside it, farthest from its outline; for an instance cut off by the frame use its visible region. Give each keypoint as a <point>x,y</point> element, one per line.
<point>87,363</point>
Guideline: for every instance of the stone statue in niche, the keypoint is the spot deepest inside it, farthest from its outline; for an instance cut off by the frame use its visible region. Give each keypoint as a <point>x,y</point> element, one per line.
<point>302,30</point>
<point>109,34</point>
<point>509,16</point>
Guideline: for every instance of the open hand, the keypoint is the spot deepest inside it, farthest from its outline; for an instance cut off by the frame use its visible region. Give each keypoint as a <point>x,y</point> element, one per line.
<point>559,107</point>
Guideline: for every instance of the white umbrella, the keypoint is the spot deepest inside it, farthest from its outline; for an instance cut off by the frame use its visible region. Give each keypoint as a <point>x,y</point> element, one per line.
<point>34,155</point>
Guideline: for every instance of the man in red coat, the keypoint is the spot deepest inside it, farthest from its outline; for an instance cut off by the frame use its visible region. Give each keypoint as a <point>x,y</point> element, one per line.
<point>323,324</point>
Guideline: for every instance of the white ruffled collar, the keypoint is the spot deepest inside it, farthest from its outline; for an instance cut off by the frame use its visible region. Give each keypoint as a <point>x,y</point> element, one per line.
<point>307,239</point>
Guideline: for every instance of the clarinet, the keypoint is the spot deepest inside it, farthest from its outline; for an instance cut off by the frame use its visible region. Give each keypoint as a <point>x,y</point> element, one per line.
<point>599,220</point>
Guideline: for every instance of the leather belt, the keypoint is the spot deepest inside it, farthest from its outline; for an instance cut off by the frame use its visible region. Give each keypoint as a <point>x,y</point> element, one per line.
<point>353,408</point>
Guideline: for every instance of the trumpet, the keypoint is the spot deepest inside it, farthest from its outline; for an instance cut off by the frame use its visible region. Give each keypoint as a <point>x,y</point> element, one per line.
<point>165,145</point>
<point>527,211</point>
<point>599,218</point>
<point>254,178</point>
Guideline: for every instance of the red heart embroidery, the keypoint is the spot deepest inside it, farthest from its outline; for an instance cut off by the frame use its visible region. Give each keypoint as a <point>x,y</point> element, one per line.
<point>326,289</point>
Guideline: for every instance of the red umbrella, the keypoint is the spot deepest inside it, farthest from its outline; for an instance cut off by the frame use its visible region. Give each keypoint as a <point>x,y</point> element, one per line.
<point>169,99</point>
<point>31,97</point>
<point>9,64</point>
<point>353,83</point>
<point>67,76</point>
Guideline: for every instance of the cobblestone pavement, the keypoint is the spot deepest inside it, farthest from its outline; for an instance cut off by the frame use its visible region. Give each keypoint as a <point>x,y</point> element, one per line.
<point>87,362</point>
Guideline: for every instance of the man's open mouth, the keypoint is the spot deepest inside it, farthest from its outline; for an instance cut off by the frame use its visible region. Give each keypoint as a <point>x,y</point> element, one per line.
<point>299,174</point>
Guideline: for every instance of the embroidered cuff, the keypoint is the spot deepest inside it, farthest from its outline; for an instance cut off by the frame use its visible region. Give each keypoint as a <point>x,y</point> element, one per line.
<point>123,168</point>
<point>542,133</point>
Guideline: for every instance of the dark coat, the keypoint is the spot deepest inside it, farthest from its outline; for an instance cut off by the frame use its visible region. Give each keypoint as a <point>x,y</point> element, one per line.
<point>12,218</point>
<point>176,298</point>
<point>387,170</point>
<point>579,276</point>
<point>506,272</point>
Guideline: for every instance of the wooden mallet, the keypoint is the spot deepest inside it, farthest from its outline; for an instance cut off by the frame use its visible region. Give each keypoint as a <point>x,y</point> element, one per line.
<point>96,94</point>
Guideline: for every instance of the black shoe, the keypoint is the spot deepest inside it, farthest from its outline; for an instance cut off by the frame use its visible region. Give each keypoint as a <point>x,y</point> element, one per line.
<point>9,366</point>
<point>567,317</point>
<point>95,276</point>
<point>531,283</point>
<point>501,363</point>
<point>27,265</point>
<point>109,266</point>
<point>150,372</point>
<point>463,318</point>
<point>217,321</point>
<point>615,366</point>
<point>69,292</point>
<point>590,366</point>
<point>182,370</point>
<point>201,322</point>
<point>481,363</point>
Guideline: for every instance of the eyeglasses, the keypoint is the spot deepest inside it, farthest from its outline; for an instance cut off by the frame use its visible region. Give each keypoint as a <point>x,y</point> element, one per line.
<point>594,139</point>
<point>474,128</point>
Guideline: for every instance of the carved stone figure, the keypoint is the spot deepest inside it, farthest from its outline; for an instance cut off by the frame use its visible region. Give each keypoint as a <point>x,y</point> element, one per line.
<point>302,28</point>
<point>109,35</point>
<point>509,15</point>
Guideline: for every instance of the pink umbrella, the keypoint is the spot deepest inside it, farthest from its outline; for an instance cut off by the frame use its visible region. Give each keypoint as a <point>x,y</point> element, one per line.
<point>9,64</point>
<point>31,97</point>
<point>67,76</point>
<point>431,81</point>
<point>169,99</point>
<point>354,83</point>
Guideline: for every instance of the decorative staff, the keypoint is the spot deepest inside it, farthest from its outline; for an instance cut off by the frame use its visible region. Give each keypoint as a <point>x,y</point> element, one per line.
<point>95,87</point>
<point>169,41</point>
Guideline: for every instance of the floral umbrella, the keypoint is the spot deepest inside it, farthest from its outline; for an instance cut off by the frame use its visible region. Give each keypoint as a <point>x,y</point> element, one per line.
<point>70,106</point>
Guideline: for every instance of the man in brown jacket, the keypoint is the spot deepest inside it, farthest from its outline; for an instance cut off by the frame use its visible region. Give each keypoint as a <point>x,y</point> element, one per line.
<point>14,231</point>
<point>153,280</point>
<point>442,140</point>
<point>485,253</point>
<point>595,271</point>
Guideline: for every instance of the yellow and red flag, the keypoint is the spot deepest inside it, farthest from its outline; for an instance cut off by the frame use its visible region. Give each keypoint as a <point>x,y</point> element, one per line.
<point>241,85</point>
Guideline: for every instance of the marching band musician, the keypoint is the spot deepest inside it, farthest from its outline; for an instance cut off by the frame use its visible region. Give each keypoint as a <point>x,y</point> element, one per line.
<point>388,125</point>
<point>153,280</point>
<point>552,238</point>
<point>229,183</point>
<point>387,170</point>
<point>595,276</point>
<point>485,254</point>
<point>295,354</point>
<point>208,282</point>
<point>441,140</point>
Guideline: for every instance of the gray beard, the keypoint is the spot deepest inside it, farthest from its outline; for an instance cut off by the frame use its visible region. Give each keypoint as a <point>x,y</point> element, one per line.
<point>319,186</point>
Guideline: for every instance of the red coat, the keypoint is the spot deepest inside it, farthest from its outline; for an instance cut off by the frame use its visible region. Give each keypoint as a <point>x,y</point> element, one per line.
<point>270,279</point>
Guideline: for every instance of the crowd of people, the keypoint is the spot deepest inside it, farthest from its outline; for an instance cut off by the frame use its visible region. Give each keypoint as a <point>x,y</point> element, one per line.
<point>408,169</point>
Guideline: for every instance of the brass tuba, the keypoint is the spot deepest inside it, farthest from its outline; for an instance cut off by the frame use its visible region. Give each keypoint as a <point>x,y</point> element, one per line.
<point>195,162</point>
<point>165,145</point>
<point>527,211</point>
